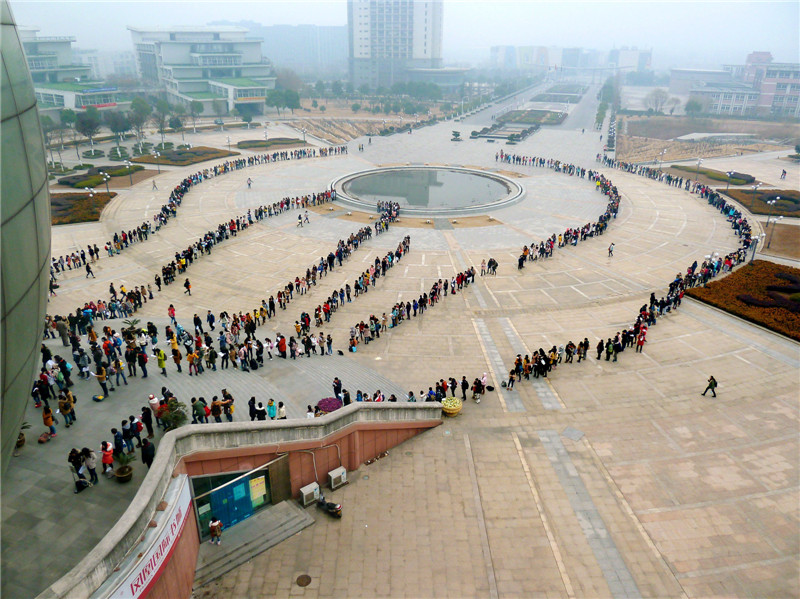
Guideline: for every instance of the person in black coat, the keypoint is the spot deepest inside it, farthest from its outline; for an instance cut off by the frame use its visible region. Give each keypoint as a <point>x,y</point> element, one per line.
<point>148,452</point>
<point>147,419</point>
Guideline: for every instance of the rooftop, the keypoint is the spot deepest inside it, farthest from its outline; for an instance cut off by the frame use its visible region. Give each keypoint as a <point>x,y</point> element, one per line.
<point>84,87</point>
<point>239,82</point>
<point>190,29</point>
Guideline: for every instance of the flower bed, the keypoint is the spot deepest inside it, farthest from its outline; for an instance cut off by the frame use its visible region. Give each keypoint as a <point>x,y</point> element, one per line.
<point>764,293</point>
<point>93,178</point>
<point>788,205</point>
<point>329,404</point>
<point>185,157</point>
<point>69,208</point>
<point>276,142</point>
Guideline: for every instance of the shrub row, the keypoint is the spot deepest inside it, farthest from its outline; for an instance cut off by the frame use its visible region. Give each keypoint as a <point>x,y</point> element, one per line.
<point>93,178</point>
<point>275,142</point>
<point>186,157</point>
<point>735,178</point>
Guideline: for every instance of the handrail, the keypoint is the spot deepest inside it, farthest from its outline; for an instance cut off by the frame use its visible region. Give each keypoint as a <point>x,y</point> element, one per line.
<point>97,565</point>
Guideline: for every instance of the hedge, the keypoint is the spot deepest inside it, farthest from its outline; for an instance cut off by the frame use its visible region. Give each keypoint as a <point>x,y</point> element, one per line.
<point>186,157</point>
<point>735,178</point>
<point>787,205</point>
<point>276,141</point>
<point>93,178</point>
<point>68,208</point>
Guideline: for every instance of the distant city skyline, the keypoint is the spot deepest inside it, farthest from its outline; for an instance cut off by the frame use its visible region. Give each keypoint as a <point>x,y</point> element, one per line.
<point>680,34</point>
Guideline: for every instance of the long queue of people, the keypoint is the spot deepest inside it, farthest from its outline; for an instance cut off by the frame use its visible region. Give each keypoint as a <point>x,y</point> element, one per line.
<point>729,209</point>
<point>125,238</point>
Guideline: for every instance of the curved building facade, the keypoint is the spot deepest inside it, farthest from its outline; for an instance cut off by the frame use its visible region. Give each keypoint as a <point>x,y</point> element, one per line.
<point>25,233</point>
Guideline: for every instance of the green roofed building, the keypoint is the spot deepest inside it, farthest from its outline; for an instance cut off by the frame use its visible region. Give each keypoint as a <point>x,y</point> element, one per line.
<point>208,64</point>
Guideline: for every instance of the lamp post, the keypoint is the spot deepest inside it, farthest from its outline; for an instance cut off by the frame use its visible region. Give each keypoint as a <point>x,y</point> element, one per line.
<point>728,182</point>
<point>129,164</point>
<point>265,136</point>
<point>106,178</point>
<point>661,158</point>
<point>753,203</point>
<point>304,136</point>
<point>229,143</point>
<point>755,246</point>
<point>775,220</point>
<point>158,164</point>
<point>697,172</point>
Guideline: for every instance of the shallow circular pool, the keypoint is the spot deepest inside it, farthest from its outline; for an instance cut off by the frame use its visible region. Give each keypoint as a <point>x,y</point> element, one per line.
<point>427,190</point>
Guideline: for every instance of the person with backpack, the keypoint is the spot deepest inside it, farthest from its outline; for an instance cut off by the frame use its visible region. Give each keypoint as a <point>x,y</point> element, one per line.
<point>136,429</point>
<point>141,358</point>
<point>712,386</point>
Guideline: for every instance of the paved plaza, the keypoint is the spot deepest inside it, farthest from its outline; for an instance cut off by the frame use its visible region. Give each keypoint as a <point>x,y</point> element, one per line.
<point>604,480</point>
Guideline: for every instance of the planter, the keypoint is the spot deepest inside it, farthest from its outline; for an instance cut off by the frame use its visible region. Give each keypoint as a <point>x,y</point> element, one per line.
<point>451,407</point>
<point>123,474</point>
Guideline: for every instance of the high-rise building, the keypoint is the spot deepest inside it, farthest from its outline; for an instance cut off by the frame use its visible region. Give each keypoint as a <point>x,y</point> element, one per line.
<point>25,234</point>
<point>208,64</point>
<point>390,39</point>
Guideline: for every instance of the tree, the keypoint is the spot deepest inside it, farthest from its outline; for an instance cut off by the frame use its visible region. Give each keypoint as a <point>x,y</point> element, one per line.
<point>138,116</point>
<point>161,113</point>
<point>336,89</point>
<point>88,123</point>
<point>314,104</point>
<point>319,86</point>
<point>118,122</point>
<point>220,107</point>
<point>656,99</point>
<point>364,89</point>
<point>356,107</point>
<point>176,124</point>
<point>195,110</point>
<point>288,79</point>
<point>276,99</point>
<point>323,108</point>
<point>673,103</point>
<point>349,88</point>
<point>797,149</point>
<point>291,99</point>
<point>48,127</point>
<point>693,107</point>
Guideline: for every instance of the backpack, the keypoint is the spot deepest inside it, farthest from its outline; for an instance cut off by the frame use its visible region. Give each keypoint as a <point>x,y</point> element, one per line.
<point>139,426</point>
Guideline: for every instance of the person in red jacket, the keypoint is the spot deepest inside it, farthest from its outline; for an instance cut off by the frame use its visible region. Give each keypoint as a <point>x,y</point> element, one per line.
<point>107,450</point>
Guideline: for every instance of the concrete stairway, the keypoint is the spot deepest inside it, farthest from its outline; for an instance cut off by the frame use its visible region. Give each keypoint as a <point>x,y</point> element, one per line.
<point>249,538</point>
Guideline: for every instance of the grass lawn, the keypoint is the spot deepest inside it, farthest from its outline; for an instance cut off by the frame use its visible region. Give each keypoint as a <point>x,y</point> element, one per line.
<point>533,117</point>
<point>765,293</point>
<point>275,142</point>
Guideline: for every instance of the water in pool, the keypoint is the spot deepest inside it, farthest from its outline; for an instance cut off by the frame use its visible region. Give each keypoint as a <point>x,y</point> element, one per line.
<point>427,188</point>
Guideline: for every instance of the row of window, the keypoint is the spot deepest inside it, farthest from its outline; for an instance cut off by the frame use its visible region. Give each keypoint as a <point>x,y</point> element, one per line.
<point>775,74</point>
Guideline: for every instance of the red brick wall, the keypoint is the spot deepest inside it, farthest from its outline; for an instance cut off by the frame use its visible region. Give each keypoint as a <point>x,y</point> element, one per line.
<point>178,576</point>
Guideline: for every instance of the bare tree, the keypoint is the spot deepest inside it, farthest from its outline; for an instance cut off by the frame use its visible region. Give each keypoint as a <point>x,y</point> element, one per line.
<point>656,99</point>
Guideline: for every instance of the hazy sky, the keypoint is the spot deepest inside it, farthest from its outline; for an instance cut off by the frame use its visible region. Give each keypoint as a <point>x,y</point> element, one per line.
<point>680,33</point>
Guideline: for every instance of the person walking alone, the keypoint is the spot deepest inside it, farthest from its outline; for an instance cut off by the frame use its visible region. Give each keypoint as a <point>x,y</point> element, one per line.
<point>712,386</point>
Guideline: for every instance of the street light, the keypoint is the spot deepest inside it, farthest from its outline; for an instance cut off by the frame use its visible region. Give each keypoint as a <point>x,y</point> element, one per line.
<point>775,220</point>
<point>697,172</point>
<point>129,164</point>
<point>755,245</point>
<point>158,164</point>
<point>728,183</point>
<point>106,178</point>
<point>265,136</point>
<point>661,158</point>
<point>229,143</point>
<point>304,136</point>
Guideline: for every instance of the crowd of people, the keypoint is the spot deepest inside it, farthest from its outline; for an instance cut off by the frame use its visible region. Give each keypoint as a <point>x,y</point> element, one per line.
<point>125,238</point>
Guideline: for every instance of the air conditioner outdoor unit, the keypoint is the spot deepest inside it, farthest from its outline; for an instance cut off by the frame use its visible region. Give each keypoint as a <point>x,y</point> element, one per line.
<point>337,477</point>
<point>309,494</point>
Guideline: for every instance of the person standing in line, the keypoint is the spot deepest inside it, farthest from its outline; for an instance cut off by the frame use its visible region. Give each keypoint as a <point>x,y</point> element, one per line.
<point>712,386</point>
<point>47,419</point>
<point>89,459</point>
<point>281,411</point>
<point>147,420</point>
<point>148,453</point>
<point>272,409</point>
